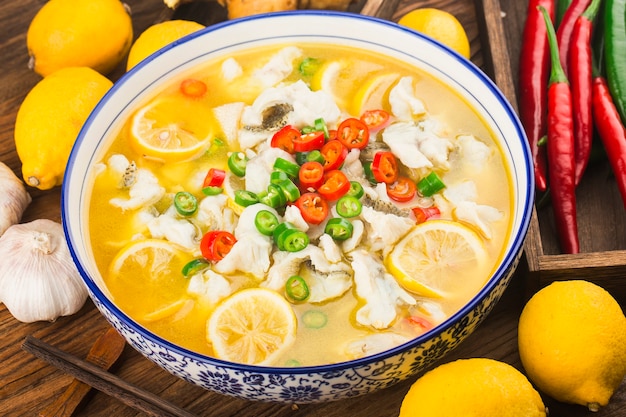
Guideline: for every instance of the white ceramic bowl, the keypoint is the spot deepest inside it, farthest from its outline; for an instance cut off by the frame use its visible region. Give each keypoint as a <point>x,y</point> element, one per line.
<point>317,383</point>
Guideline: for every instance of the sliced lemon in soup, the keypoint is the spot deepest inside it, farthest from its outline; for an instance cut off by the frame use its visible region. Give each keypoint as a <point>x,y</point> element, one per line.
<point>174,128</point>
<point>254,326</point>
<point>439,258</point>
<point>148,277</point>
<point>373,94</point>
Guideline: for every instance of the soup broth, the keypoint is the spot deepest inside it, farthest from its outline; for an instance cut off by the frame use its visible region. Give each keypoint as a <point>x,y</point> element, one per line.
<point>360,301</point>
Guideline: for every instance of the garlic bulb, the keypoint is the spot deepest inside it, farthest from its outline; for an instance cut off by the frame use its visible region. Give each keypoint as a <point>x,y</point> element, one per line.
<point>13,199</point>
<point>38,278</point>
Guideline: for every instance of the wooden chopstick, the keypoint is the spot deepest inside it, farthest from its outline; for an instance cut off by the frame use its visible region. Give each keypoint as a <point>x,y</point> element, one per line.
<point>104,381</point>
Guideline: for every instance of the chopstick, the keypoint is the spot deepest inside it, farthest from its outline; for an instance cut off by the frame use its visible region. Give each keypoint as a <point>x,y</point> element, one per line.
<point>380,8</point>
<point>104,381</point>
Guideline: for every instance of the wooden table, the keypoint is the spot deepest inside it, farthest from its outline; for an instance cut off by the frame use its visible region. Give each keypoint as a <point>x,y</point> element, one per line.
<point>28,384</point>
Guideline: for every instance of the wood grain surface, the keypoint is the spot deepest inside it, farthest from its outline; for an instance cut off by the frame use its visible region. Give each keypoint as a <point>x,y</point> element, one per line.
<point>27,384</point>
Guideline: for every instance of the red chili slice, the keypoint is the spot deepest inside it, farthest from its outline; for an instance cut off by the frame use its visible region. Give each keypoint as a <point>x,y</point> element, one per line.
<point>375,119</point>
<point>335,185</point>
<point>311,175</point>
<point>403,189</point>
<point>424,213</point>
<point>192,87</point>
<point>214,178</point>
<point>385,167</point>
<point>334,153</point>
<point>309,141</point>
<point>313,207</point>
<point>284,138</point>
<point>353,133</point>
<point>216,244</point>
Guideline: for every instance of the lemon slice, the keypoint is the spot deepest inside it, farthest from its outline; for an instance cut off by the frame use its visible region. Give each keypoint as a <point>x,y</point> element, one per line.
<point>373,94</point>
<point>439,258</point>
<point>149,261</point>
<point>233,183</point>
<point>173,128</point>
<point>254,326</point>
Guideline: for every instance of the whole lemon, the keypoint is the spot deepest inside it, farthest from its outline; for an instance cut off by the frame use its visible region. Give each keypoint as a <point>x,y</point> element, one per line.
<point>572,342</point>
<point>439,25</point>
<point>49,120</point>
<point>476,387</point>
<point>79,33</point>
<point>157,36</point>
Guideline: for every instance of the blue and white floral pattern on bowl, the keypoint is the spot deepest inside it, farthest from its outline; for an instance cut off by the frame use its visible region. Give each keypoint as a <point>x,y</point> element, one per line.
<point>319,383</point>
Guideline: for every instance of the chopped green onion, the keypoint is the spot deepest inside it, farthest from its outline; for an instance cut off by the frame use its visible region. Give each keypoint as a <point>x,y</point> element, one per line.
<point>339,228</point>
<point>288,167</point>
<point>309,66</point>
<point>315,156</point>
<point>349,206</point>
<point>194,266</point>
<point>430,184</point>
<point>297,289</point>
<point>292,363</point>
<point>211,190</point>
<point>237,162</point>
<point>320,126</point>
<point>356,189</point>
<point>245,198</point>
<point>266,222</point>
<point>314,319</point>
<point>185,203</point>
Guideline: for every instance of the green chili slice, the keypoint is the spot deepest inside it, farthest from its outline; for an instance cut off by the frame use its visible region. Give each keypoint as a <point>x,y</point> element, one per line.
<point>266,222</point>
<point>320,126</point>
<point>314,319</point>
<point>212,190</point>
<point>289,189</point>
<point>349,206</point>
<point>309,66</point>
<point>185,203</point>
<point>282,227</point>
<point>278,176</point>
<point>274,197</point>
<point>237,162</point>
<point>356,189</point>
<point>339,228</point>
<point>293,240</point>
<point>297,289</point>
<point>194,266</point>
<point>369,174</point>
<point>288,167</point>
<point>430,184</point>
<point>245,198</point>
<point>315,156</point>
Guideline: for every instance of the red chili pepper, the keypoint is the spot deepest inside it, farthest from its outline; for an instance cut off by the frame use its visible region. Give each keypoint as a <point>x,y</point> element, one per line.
<point>565,32</point>
<point>533,83</point>
<point>216,244</point>
<point>214,178</point>
<point>307,142</point>
<point>385,167</point>
<point>581,75</point>
<point>334,153</point>
<point>313,208</point>
<point>353,133</point>
<point>284,138</point>
<point>611,131</point>
<point>561,165</point>
<point>311,175</point>
<point>335,185</point>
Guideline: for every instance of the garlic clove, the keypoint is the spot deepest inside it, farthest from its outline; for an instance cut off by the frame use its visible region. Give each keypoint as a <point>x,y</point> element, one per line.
<point>38,278</point>
<point>13,200</point>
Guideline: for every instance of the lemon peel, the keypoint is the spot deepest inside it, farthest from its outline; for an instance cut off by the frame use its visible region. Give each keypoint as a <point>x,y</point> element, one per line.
<point>572,338</point>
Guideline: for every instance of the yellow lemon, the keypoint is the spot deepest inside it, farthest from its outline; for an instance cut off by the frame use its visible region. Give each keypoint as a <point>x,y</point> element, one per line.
<point>150,260</point>
<point>476,387</point>
<point>439,25</point>
<point>79,33</point>
<point>572,342</point>
<point>373,94</point>
<point>438,257</point>
<point>254,326</point>
<point>49,120</point>
<point>172,128</point>
<point>157,36</point>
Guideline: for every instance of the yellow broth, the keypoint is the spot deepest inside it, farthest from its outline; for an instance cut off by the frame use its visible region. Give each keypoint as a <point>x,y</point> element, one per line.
<point>158,306</point>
